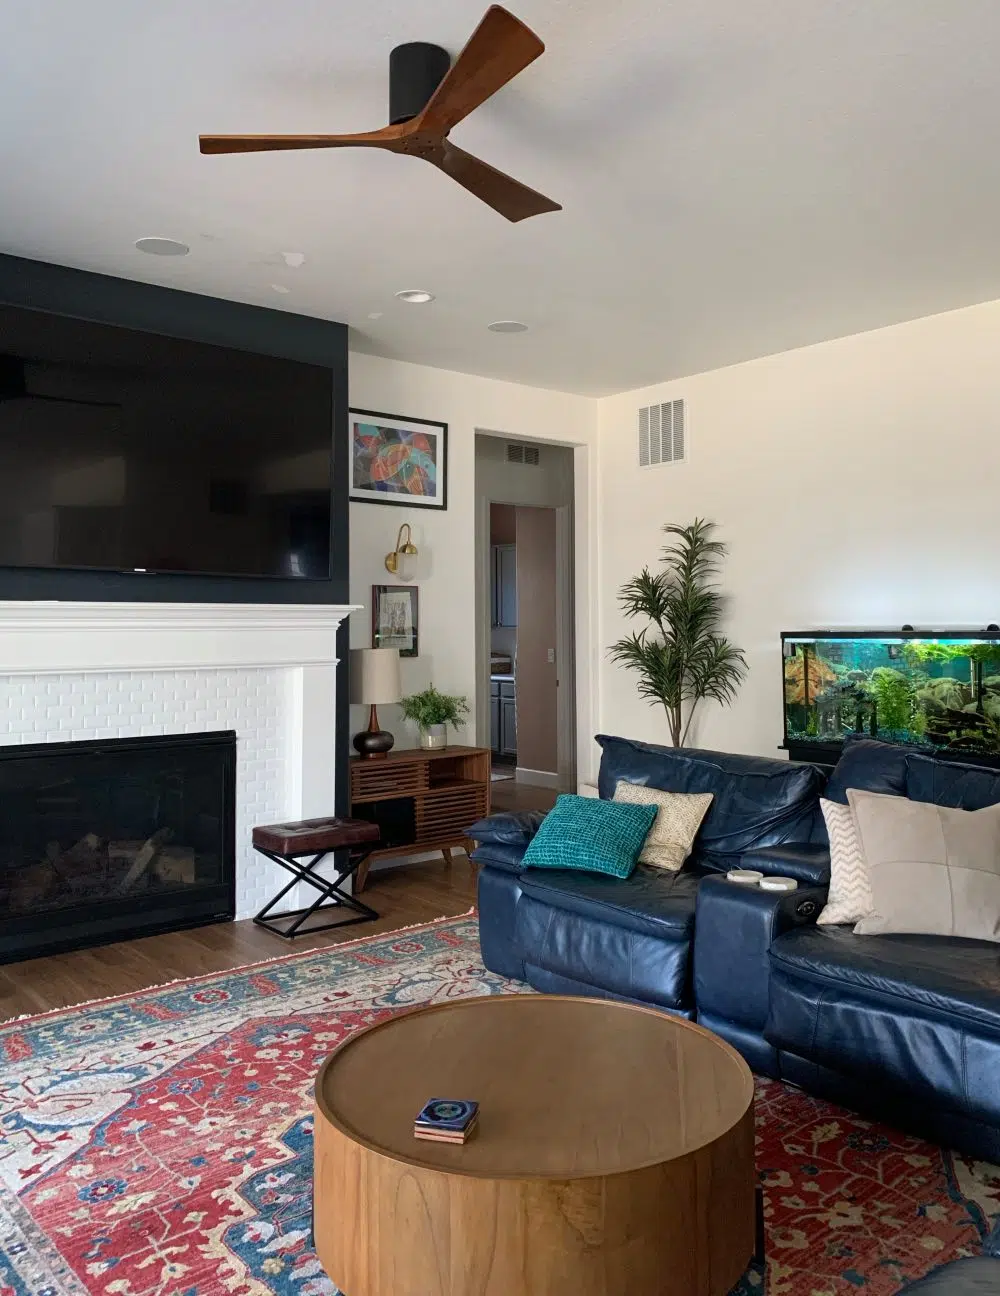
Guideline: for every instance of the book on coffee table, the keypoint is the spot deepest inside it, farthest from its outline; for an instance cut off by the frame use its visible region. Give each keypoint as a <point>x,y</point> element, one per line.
<point>446,1120</point>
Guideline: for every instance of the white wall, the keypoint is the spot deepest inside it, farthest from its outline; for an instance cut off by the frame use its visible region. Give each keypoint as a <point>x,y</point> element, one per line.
<point>445,569</point>
<point>856,482</point>
<point>546,484</point>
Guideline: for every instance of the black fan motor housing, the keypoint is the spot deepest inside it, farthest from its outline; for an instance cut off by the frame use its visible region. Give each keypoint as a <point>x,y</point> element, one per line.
<point>415,72</point>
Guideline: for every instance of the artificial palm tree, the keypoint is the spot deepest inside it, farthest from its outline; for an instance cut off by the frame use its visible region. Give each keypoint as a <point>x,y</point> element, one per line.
<point>680,656</point>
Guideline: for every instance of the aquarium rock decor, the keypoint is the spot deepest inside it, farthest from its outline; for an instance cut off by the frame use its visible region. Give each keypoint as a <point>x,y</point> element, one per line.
<point>932,688</point>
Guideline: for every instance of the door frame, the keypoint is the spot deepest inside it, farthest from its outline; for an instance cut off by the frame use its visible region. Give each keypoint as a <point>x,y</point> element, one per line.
<point>565,650</point>
<point>566,700</point>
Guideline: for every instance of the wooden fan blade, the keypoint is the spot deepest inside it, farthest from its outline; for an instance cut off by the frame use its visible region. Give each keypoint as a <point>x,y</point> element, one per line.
<point>507,196</point>
<point>389,137</point>
<point>499,48</point>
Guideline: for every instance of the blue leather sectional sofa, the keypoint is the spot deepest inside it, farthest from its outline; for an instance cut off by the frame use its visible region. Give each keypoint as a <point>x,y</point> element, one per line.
<point>906,1028</point>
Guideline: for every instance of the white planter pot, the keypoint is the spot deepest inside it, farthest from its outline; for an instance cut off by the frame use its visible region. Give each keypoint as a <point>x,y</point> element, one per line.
<point>434,736</point>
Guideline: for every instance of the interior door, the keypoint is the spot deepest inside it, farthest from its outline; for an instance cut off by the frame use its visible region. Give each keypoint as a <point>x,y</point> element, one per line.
<point>507,584</point>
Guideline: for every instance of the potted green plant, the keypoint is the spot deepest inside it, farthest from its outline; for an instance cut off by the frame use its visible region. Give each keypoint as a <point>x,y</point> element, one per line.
<point>679,655</point>
<point>433,712</point>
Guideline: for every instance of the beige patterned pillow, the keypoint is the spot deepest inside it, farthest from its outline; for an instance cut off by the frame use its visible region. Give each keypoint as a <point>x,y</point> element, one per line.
<point>850,897</point>
<point>669,841</point>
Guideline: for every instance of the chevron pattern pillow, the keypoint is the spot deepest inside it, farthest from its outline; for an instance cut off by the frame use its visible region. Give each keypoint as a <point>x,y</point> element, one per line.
<point>850,897</point>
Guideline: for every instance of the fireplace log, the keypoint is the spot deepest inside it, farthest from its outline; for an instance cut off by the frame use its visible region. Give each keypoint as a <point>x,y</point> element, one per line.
<point>83,866</point>
<point>33,886</point>
<point>124,851</point>
<point>145,857</point>
<point>175,864</point>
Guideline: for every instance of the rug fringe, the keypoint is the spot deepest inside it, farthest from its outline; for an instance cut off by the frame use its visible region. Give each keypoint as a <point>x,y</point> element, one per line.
<point>239,967</point>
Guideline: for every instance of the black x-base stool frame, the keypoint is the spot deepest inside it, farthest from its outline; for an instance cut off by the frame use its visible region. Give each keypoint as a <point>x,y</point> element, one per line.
<point>299,848</point>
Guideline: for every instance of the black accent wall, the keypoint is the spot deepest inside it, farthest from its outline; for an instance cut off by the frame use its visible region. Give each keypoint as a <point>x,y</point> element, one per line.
<point>154,309</point>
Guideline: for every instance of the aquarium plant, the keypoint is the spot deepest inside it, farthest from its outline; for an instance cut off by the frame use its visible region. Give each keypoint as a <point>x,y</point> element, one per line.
<point>679,655</point>
<point>892,692</point>
<point>978,655</point>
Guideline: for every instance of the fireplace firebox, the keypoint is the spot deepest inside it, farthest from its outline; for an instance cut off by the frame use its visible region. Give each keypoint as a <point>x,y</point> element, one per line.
<point>118,838</point>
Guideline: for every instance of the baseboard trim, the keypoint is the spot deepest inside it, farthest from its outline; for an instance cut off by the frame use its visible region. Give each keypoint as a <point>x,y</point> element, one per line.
<point>536,778</point>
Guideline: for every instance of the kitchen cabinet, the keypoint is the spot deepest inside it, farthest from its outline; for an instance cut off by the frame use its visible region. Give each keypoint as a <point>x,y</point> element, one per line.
<point>503,718</point>
<point>503,585</point>
<point>508,727</point>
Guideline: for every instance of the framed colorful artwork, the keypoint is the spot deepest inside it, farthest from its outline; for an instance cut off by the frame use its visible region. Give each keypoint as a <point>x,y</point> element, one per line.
<point>398,461</point>
<point>394,618</point>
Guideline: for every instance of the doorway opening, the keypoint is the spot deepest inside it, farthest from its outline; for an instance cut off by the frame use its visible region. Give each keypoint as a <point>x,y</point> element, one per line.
<point>525,632</point>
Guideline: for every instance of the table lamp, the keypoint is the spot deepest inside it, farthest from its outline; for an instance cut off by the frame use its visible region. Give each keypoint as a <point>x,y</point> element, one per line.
<point>374,680</point>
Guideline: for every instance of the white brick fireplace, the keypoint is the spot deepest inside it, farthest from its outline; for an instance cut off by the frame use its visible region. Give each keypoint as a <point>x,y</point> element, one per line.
<point>81,671</point>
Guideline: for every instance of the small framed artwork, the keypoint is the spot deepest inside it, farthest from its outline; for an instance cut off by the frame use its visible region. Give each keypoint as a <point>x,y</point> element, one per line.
<point>398,461</point>
<point>394,618</point>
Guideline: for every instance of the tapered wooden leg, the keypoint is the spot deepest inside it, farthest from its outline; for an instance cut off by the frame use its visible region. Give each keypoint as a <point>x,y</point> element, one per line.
<point>361,877</point>
<point>446,852</point>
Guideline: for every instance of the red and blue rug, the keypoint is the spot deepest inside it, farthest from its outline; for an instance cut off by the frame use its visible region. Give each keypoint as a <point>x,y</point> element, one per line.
<point>162,1142</point>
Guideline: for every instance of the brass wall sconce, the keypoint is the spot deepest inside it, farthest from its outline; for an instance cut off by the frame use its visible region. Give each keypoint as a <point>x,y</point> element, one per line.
<point>404,549</point>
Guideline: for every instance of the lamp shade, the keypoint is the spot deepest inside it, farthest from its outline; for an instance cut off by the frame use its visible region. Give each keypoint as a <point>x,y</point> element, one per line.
<point>375,676</point>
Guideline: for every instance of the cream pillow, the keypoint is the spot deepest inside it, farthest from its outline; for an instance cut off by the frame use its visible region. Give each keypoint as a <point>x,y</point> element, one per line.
<point>668,843</point>
<point>850,896</point>
<point>933,870</point>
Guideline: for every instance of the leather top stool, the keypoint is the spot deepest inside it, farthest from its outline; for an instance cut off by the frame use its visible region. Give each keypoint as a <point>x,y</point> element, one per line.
<point>299,848</point>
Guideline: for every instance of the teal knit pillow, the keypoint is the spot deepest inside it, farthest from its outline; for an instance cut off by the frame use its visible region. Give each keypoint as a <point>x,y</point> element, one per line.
<point>596,836</point>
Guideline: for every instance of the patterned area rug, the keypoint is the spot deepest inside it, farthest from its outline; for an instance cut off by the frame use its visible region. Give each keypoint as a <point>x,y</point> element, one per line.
<point>161,1143</point>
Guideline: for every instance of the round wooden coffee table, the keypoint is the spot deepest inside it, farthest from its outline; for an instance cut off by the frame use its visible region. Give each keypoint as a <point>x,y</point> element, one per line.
<point>614,1154</point>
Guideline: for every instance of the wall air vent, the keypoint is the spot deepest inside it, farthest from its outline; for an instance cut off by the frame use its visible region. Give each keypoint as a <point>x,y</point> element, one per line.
<point>519,453</point>
<point>662,437</point>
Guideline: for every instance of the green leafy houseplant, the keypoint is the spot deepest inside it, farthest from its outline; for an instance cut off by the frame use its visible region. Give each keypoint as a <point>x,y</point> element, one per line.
<point>433,708</point>
<point>680,656</point>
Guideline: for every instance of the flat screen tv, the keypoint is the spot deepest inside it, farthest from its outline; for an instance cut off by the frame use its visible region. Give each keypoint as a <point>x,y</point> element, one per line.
<point>135,452</point>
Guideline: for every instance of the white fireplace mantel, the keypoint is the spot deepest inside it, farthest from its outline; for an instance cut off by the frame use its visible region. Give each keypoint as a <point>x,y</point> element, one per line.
<point>80,671</point>
<point>39,638</point>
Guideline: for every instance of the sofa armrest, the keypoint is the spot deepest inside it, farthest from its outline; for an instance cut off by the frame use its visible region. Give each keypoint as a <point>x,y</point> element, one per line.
<point>991,1247</point>
<point>734,928</point>
<point>512,828</point>
<point>807,862</point>
<point>501,856</point>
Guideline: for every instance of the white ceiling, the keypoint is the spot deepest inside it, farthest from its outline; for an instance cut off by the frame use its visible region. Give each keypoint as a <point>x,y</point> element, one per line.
<point>738,176</point>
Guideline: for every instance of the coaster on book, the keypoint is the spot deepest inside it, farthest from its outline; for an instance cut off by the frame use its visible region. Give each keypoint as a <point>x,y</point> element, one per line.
<point>446,1120</point>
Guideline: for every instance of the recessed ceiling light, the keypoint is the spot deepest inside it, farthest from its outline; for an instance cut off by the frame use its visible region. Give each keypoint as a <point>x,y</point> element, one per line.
<point>162,247</point>
<point>415,296</point>
<point>294,259</point>
<point>280,288</point>
<point>507,326</point>
<point>374,314</point>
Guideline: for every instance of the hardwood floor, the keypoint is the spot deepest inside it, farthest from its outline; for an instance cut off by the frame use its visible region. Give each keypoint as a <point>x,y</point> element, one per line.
<point>508,795</point>
<point>414,893</point>
<point>402,896</point>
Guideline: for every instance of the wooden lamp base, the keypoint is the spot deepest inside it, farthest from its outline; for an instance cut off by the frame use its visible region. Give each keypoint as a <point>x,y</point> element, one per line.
<point>373,741</point>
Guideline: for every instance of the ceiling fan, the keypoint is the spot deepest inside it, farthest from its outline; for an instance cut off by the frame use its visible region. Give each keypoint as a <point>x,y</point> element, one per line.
<point>428,95</point>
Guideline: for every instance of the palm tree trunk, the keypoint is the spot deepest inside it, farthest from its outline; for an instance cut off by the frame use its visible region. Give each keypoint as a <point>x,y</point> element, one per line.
<point>674,721</point>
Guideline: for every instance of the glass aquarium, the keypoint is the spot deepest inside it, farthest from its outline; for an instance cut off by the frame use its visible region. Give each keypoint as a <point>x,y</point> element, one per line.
<point>935,689</point>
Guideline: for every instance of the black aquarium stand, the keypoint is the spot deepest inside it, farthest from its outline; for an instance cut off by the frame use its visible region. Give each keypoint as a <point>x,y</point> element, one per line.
<point>829,753</point>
